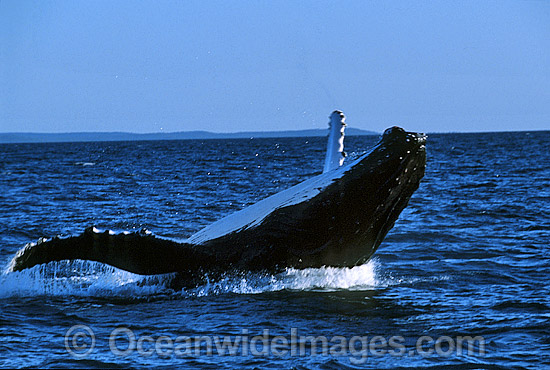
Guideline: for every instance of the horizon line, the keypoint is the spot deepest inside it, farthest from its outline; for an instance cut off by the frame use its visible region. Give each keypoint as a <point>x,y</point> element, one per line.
<point>249,131</point>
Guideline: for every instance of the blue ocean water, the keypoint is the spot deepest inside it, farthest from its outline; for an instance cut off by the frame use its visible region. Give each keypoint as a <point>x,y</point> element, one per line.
<point>469,257</point>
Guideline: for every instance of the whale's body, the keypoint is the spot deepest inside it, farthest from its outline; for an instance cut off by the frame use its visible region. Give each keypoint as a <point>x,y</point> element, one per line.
<point>337,218</point>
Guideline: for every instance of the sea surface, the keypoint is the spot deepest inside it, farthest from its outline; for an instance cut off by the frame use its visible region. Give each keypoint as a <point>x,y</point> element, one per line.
<point>468,257</point>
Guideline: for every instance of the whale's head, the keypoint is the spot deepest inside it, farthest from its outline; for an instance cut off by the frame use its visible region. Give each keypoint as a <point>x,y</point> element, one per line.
<point>366,200</point>
<point>346,221</point>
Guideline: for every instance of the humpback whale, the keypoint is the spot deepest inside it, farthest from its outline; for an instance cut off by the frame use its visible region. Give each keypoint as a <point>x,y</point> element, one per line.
<point>337,218</point>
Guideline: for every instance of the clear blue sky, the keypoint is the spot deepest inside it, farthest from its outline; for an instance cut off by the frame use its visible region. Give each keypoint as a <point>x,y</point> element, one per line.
<point>224,66</point>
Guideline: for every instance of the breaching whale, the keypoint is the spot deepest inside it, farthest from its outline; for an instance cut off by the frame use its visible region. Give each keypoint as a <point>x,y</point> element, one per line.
<point>337,218</point>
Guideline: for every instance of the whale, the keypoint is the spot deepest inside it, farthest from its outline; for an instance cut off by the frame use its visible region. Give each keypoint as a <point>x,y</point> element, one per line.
<point>337,218</point>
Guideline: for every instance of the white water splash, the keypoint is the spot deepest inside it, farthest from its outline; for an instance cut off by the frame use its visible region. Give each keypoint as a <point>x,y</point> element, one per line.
<point>312,279</point>
<point>85,278</point>
<point>78,278</point>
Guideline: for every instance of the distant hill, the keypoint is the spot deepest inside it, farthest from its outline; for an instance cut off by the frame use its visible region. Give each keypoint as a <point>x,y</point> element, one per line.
<point>185,135</point>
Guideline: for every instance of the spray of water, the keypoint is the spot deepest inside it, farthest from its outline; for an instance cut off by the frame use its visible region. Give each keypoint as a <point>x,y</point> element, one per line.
<point>85,278</point>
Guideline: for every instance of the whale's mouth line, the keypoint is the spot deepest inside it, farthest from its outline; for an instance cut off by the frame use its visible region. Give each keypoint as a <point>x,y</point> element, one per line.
<point>405,174</point>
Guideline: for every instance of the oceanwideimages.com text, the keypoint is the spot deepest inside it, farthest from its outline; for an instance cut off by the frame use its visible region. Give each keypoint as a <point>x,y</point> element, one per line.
<point>80,342</point>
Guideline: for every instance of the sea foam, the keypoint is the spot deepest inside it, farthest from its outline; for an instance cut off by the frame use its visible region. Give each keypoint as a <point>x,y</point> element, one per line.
<point>85,278</point>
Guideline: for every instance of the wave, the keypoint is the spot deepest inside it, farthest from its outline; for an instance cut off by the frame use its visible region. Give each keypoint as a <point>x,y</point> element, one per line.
<point>93,279</point>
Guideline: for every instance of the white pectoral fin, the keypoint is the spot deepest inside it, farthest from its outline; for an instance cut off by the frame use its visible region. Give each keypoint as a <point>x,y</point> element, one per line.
<point>335,146</point>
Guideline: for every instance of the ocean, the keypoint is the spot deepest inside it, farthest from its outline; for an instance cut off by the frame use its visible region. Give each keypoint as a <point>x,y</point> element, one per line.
<point>460,282</point>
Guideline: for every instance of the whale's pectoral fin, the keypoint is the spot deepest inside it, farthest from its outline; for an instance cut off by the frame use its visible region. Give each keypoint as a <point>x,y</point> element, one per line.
<point>335,147</point>
<point>137,252</point>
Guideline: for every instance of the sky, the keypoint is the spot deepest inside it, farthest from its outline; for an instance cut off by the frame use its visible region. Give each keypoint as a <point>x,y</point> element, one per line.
<point>227,66</point>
